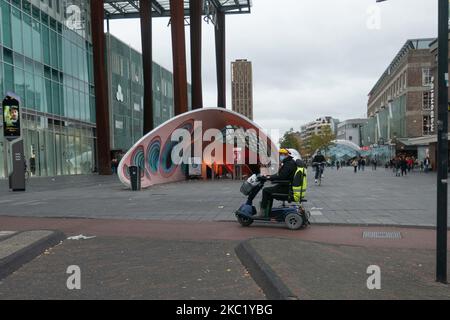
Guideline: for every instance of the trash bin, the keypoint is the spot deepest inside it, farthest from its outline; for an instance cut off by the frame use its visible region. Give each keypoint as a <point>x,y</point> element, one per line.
<point>135,178</point>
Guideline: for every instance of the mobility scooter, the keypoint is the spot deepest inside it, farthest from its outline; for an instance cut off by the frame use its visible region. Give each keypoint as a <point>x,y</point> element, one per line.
<point>293,215</point>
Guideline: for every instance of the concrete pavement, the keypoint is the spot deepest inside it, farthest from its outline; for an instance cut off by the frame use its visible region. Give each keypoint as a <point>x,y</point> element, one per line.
<point>316,271</point>
<point>366,198</point>
<point>132,268</point>
<point>184,260</point>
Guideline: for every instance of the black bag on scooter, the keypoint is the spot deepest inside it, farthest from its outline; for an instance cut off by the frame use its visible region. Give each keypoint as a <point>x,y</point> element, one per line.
<point>248,185</point>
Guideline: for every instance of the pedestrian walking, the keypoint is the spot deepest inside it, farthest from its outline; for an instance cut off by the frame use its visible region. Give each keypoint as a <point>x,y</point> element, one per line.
<point>355,165</point>
<point>397,166</point>
<point>427,164</point>
<point>409,164</point>
<point>403,166</point>
<point>114,165</point>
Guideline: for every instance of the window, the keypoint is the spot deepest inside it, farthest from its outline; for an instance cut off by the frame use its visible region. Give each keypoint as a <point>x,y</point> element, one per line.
<point>19,84</point>
<point>38,92</point>
<point>48,96</point>
<point>427,127</point>
<point>53,49</point>
<point>1,80</point>
<point>9,77</point>
<point>29,90</point>
<point>27,36</point>
<point>46,44</point>
<point>6,24</point>
<point>17,28</point>
<point>426,77</point>
<point>36,35</point>
<point>426,105</point>
<point>8,56</point>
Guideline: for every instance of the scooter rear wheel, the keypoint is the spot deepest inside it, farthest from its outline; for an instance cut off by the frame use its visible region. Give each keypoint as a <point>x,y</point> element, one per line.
<point>245,222</point>
<point>293,221</point>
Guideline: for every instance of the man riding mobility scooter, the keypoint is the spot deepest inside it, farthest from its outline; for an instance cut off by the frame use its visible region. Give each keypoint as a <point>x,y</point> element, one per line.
<point>289,186</point>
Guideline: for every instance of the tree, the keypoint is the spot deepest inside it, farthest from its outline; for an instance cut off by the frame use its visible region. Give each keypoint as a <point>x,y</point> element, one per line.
<point>290,140</point>
<point>323,140</point>
<point>305,149</point>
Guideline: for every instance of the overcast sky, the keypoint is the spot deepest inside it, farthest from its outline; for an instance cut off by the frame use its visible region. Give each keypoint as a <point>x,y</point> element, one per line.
<point>310,58</point>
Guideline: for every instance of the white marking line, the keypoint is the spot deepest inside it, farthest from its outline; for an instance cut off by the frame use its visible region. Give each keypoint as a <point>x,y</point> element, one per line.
<point>6,233</point>
<point>27,203</point>
<point>36,203</point>
<point>316,213</point>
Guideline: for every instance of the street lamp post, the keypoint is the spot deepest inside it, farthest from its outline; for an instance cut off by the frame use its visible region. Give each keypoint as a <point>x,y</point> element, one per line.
<point>442,145</point>
<point>442,183</point>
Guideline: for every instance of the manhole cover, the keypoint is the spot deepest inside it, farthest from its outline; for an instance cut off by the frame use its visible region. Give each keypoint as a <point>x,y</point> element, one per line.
<point>381,235</point>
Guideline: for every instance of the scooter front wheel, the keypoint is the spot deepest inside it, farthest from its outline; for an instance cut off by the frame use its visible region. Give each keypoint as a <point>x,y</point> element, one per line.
<point>293,221</point>
<point>245,222</point>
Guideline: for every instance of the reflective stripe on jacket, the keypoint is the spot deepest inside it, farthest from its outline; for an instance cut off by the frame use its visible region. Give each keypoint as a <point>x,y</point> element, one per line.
<point>299,184</point>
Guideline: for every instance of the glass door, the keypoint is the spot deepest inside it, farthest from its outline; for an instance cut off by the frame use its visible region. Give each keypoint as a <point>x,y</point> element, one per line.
<point>58,150</point>
<point>41,154</point>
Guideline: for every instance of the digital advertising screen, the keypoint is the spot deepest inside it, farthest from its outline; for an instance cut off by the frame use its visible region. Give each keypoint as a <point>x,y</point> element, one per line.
<point>11,118</point>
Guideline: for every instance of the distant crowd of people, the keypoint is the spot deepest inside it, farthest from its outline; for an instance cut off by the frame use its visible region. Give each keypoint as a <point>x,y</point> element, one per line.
<point>358,164</point>
<point>403,164</point>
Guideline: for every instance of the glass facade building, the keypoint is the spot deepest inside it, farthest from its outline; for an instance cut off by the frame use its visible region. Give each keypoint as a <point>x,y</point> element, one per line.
<point>126,93</point>
<point>46,60</point>
<point>389,123</point>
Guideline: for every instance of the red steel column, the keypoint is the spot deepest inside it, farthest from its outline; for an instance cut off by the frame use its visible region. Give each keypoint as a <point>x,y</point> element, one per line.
<point>220,60</point>
<point>101,88</point>
<point>147,63</point>
<point>195,7</point>
<point>179,57</point>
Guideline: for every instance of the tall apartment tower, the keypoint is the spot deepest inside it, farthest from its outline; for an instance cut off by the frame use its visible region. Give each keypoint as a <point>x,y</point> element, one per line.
<point>242,87</point>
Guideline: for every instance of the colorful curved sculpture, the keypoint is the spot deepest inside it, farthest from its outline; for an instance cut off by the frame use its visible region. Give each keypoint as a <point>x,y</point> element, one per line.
<point>153,152</point>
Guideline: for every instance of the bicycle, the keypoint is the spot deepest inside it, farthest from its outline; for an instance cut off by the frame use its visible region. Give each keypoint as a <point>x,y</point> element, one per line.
<point>319,166</point>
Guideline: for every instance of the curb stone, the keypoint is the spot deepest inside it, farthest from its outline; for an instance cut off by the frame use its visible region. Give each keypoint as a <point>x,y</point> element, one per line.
<point>17,259</point>
<point>273,287</point>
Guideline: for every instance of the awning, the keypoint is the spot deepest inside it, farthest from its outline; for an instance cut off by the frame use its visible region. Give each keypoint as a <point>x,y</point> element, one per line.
<point>420,141</point>
<point>119,9</point>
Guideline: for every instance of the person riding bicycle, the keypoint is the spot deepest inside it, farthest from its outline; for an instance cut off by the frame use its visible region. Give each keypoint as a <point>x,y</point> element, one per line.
<point>318,163</point>
<point>285,173</point>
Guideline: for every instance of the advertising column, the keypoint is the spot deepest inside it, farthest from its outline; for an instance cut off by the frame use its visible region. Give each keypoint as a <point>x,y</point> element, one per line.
<point>12,133</point>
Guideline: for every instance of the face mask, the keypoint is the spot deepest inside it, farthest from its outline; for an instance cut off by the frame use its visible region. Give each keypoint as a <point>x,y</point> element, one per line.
<point>282,158</point>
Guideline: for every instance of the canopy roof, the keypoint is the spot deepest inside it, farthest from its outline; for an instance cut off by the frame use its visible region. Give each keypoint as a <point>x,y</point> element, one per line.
<point>161,8</point>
